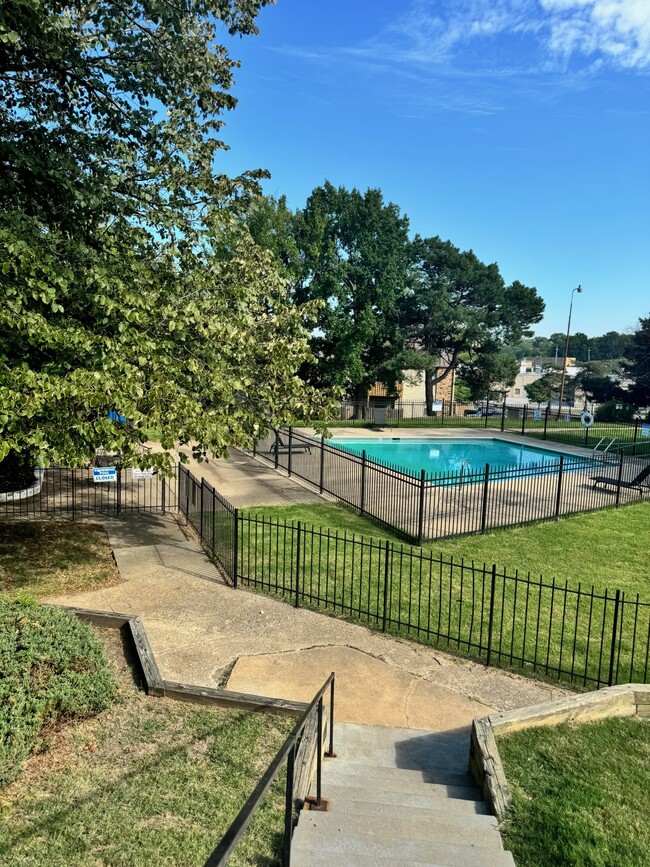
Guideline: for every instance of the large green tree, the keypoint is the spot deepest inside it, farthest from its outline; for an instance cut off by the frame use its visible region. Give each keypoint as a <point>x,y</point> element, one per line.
<point>354,260</point>
<point>459,313</point>
<point>127,282</point>
<point>638,368</point>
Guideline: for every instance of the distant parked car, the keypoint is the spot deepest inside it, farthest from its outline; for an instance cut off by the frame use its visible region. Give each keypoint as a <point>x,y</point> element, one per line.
<point>483,411</point>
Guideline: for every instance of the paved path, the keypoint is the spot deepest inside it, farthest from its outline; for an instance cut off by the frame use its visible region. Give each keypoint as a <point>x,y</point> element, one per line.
<point>204,632</point>
<point>244,481</point>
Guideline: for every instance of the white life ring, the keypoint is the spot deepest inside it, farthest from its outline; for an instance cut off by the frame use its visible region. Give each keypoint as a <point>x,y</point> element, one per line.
<point>587,419</point>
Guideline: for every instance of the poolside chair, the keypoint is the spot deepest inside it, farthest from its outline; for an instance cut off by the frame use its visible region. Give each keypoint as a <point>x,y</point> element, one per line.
<point>278,443</point>
<point>636,482</point>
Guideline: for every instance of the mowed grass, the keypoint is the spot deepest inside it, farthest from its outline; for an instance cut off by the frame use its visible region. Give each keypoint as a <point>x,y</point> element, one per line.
<point>608,548</point>
<point>42,558</point>
<point>580,794</point>
<point>148,781</point>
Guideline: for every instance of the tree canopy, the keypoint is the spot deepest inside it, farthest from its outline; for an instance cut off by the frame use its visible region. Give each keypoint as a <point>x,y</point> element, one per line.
<point>459,311</point>
<point>638,368</point>
<point>128,283</point>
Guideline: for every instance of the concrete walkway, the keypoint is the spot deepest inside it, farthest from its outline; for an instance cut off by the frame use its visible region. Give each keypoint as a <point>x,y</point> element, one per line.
<point>204,632</point>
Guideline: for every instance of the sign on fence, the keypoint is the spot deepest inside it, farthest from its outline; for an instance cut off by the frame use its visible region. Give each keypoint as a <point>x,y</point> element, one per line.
<point>538,415</point>
<point>104,474</point>
<point>142,474</point>
<point>645,430</point>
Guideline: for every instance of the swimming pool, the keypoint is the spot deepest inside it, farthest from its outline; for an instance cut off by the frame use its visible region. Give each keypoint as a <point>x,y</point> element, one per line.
<point>440,456</point>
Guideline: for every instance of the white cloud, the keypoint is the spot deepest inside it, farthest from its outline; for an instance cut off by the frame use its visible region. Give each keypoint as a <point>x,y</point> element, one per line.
<point>617,30</point>
<point>612,32</point>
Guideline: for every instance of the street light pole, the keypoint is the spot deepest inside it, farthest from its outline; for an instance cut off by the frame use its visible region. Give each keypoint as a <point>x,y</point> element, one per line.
<point>578,289</point>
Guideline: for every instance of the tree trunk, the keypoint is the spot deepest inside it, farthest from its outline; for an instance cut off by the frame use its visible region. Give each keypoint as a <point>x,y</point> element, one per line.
<point>360,398</point>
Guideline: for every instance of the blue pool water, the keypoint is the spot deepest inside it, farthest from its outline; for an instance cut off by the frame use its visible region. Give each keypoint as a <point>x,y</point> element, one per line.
<point>449,455</point>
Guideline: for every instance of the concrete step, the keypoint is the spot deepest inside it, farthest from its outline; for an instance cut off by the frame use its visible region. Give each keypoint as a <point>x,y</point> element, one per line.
<point>363,851</point>
<point>470,813</point>
<point>429,797</point>
<point>315,828</point>
<point>403,748</point>
<point>331,767</point>
<point>395,779</point>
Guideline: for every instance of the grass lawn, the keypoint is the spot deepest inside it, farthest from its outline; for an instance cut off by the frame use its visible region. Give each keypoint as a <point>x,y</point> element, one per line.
<point>147,781</point>
<point>540,627</point>
<point>580,794</point>
<point>42,558</point>
<point>607,548</point>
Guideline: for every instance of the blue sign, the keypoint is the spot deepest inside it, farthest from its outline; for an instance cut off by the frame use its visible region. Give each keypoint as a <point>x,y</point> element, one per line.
<point>645,430</point>
<point>104,474</point>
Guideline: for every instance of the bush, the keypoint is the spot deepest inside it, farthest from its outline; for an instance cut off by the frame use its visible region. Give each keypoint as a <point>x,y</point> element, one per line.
<point>615,410</point>
<point>52,668</point>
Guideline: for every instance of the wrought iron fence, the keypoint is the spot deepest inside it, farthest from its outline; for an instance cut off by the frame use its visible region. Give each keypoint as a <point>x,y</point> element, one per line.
<point>510,619</point>
<point>66,492</point>
<point>422,506</point>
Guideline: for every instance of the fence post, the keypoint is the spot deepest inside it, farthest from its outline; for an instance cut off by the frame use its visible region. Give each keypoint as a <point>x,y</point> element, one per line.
<point>421,508</point>
<point>386,562</point>
<point>612,656</point>
<point>297,600</point>
<point>586,436</point>
<point>524,414</point>
<point>618,480</point>
<point>235,548</point>
<point>201,511</point>
<point>277,447</point>
<point>503,415</point>
<point>288,807</point>
<point>636,436</point>
<point>118,505</point>
<point>487,410</point>
<point>442,416</point>
<point>493,585</point>
<point>74,498</point>
<point>322,463</point>
<point>290,450</point>
<point>546,418</point>
<point>163,492</point>
<point>486,486</point>
<point>559,487</point>
<point>362,495</point>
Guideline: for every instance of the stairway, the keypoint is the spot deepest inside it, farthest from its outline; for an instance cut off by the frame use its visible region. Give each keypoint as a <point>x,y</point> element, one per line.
<point>398,797</point>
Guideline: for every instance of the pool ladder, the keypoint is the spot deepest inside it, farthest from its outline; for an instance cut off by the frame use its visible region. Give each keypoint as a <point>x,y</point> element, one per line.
<point>607,447</point>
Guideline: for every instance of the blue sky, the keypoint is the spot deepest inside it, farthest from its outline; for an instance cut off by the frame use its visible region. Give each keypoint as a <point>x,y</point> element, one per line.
<point>519,129</point>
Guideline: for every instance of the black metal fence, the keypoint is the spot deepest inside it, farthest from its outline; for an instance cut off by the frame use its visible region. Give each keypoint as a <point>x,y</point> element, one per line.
<point>66,492</point>
<point>527,419</point>
<point>422,506</point>
<point>578,634</point>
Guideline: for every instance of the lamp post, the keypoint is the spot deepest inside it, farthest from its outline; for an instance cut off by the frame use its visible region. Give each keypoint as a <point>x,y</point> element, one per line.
<point>578,289</point>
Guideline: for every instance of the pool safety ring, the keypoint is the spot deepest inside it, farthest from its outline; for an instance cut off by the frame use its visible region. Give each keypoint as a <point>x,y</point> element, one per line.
<point>587,419</point>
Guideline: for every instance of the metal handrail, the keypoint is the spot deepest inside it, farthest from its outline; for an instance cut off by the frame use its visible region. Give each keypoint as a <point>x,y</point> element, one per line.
<point>288,750</point>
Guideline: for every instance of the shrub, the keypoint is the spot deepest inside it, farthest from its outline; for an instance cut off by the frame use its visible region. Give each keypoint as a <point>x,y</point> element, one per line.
<point>52,668</point>
<point>615,410</point>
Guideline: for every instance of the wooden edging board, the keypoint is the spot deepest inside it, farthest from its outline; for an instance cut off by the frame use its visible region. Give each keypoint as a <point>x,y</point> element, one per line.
<point>157,686</point>
<point>485,765</point>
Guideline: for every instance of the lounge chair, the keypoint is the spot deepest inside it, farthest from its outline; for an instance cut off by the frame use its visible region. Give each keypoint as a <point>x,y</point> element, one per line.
<point>636,482</point>
<point>278,443</point>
